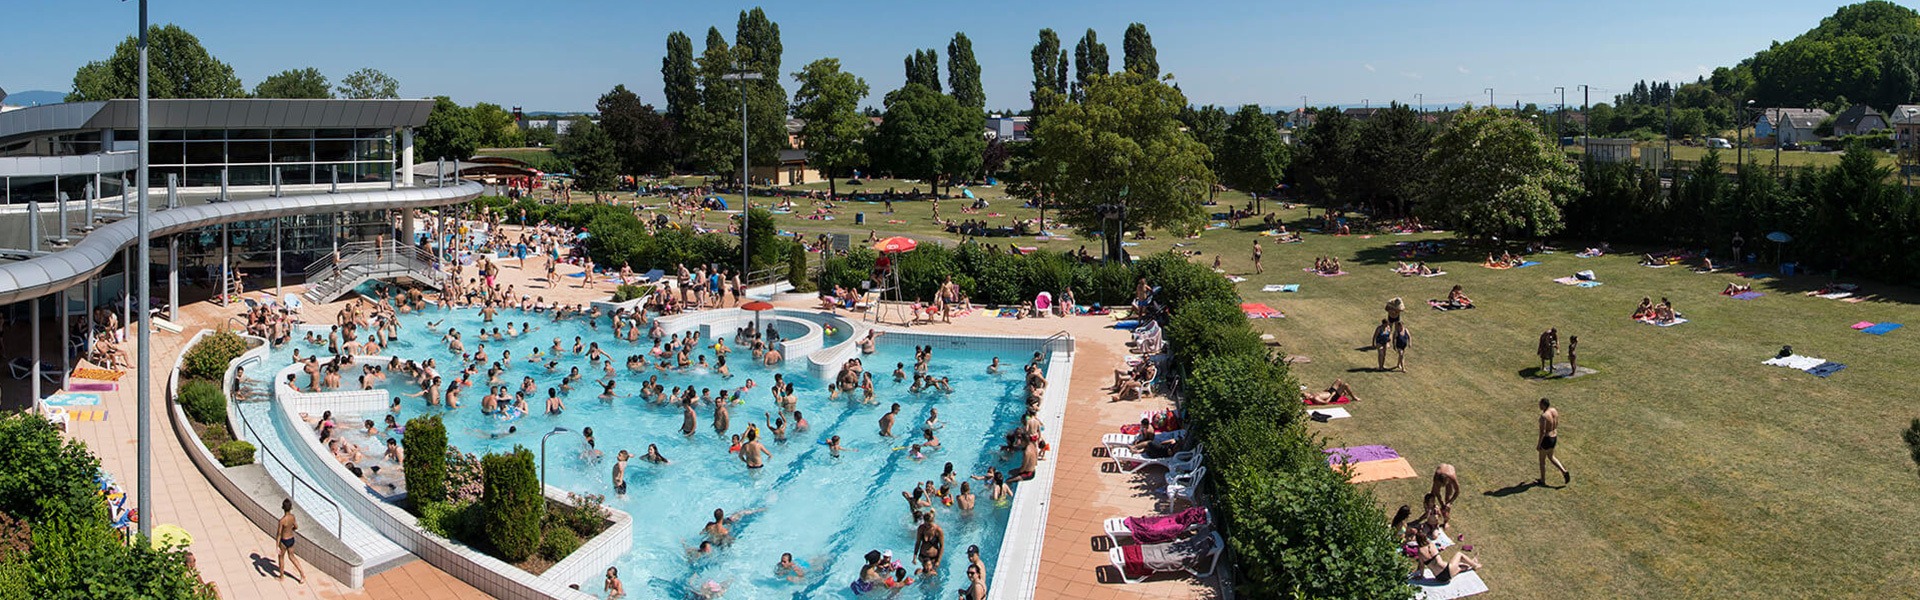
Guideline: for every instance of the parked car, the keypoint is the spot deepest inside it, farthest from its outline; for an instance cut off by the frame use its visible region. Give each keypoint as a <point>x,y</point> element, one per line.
<point>1719,143</point>
<point>1790,146</point>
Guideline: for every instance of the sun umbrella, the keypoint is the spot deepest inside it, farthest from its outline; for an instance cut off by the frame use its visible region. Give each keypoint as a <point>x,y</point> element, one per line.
<point>167,535</point>
<point>967,193</point>
<point>757,306</point>
<point>896,244</point>
<point>1780,236</point>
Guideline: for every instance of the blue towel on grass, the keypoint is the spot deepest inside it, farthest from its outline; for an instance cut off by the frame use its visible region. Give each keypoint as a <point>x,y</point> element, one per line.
<point>1881,329</point>
<point>1587,284</point>
<point>1527,264</point>
<point>1826,368</point>
<point>1759,276</point>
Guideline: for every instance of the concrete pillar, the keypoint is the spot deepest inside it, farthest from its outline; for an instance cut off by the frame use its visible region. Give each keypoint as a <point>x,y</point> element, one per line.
<point>33,314</point>
<point>226,266</point>
<point>173,278</point>
<point>278,289</point>
<point>406,156</point>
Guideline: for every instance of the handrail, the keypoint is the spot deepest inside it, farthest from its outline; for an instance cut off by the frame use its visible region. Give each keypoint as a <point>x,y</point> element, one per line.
<point>1057,335</point>
<point>339,518</point>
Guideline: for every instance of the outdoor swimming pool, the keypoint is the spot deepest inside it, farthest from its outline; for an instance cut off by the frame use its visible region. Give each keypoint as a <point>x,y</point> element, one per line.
<point>827,511</point>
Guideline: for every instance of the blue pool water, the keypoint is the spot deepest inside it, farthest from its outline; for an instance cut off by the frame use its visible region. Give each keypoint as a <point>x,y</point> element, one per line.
<point>827,511</point>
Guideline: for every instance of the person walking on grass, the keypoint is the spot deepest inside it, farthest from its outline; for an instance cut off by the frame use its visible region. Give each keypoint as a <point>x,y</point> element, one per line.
<point>1573,359</point>
<point>1256,257</point>
<point>1401,338</point>
<point>1549,346</point>
<point>285,534</point>
<point>1550,439</point>
<point>1382,336</point>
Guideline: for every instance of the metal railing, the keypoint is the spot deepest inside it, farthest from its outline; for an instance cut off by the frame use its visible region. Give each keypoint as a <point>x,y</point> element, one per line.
<point>1057,335</point>
<point>328,275</point>
<point>339,517</point>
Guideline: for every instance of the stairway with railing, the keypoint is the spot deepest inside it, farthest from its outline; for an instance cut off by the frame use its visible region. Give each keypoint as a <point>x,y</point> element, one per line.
<point>358,262</point>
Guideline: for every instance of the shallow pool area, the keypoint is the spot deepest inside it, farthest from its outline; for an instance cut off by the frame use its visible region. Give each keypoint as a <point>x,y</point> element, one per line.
<point>827,511</point>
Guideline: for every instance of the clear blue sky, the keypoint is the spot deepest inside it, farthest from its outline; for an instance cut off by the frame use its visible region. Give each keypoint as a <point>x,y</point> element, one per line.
<point>563,55</point>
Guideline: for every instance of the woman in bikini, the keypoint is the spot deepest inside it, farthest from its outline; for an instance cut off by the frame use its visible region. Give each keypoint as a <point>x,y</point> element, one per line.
<point>1428,557</point>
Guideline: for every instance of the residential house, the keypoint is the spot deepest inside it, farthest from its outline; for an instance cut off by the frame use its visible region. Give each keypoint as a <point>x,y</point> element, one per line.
<point>1859,119</point>
<point>1610,150</point>
<point>1906,124</point>
<point>1789,125</point>
<point>793,170</point>
<point>1361,114</point>
<point>1009,129</point>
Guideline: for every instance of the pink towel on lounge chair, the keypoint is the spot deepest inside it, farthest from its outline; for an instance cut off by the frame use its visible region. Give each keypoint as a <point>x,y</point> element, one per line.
<point>1164,528</point>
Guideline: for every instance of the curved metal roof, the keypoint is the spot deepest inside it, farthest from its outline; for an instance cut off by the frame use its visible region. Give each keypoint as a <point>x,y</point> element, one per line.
<point>58,271</point>
<point>215,113</point>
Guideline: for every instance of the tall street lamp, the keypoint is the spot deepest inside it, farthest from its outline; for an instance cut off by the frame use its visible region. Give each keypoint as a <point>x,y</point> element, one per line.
<point>543,456</point>
<point>144,394</point>
<point>746,186</point>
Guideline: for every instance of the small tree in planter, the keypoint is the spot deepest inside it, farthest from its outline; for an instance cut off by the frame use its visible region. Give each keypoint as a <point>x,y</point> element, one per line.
<point>208,359</point>
<point>797,268</point>
<point>514,505</point>
<point>425,442</point>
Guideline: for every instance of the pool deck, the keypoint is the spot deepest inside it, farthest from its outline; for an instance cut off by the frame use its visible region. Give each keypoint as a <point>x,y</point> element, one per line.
<point>1073,565</point>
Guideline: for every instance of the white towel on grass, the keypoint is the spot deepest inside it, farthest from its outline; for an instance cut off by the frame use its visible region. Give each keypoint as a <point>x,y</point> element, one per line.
<point>1331,413</point>
<point>1461,586</point>
<point>1796,362</point>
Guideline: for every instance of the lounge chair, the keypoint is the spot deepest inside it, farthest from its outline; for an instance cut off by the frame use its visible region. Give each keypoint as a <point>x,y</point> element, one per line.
<point>1131,462</point>
<point>652,276</point>
<point>1183,486</point>
<point>1156,528</point>
<point>1197,555</point>
<point>22,368</point>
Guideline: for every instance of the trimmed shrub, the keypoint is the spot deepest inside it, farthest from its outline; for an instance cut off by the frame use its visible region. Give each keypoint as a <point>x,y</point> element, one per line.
<point>1226,386</point>
<point>208,359</point>
<point>1182,282</point>
<point>923,270</point>
<point>452,520</point>
<point>558,543</point>
<point>849,270</point>
<point>628,292</point>
<point>234,453</point>
<point>513,504</point>
<point>1210,327</point>
<point>797,268</point>
<point>1306,532</point>
<point>425,442</point>
<point>203,402</point>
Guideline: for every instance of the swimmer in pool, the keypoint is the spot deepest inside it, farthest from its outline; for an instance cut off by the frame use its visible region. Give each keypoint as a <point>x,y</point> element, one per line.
<point>716,530</point>
<point>789,569</point>
<point>653,455</point>
<point>834,448</point>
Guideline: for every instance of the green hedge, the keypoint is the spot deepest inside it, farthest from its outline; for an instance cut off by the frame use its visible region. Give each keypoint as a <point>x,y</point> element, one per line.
<point>797,268</point>
<point>234,453</point>
<point>459,521</point>
<point>513,504</point>
<point>425,443</point>
<point>989,275</point>
<point>208,359</point>
<point>558,543</point>
<point>628,292</point>
<point>1221,388</point>
<point>203,402</point>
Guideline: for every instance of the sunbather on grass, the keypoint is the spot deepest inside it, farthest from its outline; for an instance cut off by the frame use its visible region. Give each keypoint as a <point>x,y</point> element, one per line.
<point>1333,394</point>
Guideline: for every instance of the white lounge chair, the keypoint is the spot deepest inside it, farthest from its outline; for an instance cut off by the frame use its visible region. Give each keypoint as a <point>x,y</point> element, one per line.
<point>1203,553</point>
<point>1182,487</point>
<point>1117,529</point>
<point>1131,462</point>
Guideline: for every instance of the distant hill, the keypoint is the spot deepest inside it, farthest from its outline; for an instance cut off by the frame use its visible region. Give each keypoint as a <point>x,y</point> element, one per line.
<point>1867,52</point>
<point>35,98</point>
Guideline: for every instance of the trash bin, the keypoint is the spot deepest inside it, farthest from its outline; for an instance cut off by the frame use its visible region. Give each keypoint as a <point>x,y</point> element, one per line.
<point>859,218</point>
<point>1788,268</point>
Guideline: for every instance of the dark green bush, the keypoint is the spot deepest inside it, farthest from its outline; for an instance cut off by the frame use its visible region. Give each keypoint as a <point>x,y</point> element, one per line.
<point>88,559</point>
<point>425,442</point>
<point>585,514</point>
<point>203,402</point>
<point>513,504</point>
<point>208,359</point>
<point>1210,327</point>
<point>44,476</point>
<point>797,268</point>
<point>1182,282</point>
<point>1306,532</point>
<point>1226,386</point>
<point>923,270</point>
<point>849,270</point>
<point>558,543</point>
<point>452,520</point>
<point>234,453</point>
<point>629,292</point>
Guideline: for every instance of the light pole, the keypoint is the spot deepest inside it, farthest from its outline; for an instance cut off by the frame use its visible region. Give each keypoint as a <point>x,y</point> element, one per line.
<point>746,186</point>
<point>1907,148</point>
<point>543,456</point>
<point>1559,114</point>
<point>1422,99</point>
<point>1489,97</point>
<point>144,395</point>
<point>1741,122</point>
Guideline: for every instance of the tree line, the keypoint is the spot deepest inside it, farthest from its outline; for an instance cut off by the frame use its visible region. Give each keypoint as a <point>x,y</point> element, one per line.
<point>179,67</point>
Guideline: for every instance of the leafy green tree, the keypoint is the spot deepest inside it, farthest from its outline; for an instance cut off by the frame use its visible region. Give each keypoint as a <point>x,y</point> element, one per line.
<point>834,133</point>
<point>177,67</point>
<point>682,84</point>
<point>923,67</point>
<point>425,442</point>
<point>294,83</point>
<point>1388,154</point>
<point>43,476</point>
<point>450,133</point>
<point>1253,156</point>
<point>369,83</point>
<point>1326,153</point>
<point>1140,56</point>
<point>1496,175</point>
<point>963,73</point>
<point>586,144</point>
<point>713,129</point>
<point>757,48</point>
<point>1089,61</point>
<point>542,137</point>
<point>928,135</point>
<point>1049,70</point>
<point>1209,125</point>
<point>642,138</point>
<point>1122,145</point>
<point>496,126</point>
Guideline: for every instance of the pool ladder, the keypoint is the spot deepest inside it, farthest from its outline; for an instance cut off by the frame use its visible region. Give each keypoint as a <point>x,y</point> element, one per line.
<point>1058,335</point>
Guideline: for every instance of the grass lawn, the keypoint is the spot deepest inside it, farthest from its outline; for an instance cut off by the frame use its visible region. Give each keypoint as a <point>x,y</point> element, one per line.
<point>1698,472</point>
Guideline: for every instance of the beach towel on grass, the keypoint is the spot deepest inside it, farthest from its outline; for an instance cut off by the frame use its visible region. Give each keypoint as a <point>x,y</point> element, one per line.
<point>1328,274</point>
<point>1257,310</point>
<point>1881,329</point>
<point>1236,278</point>
<point>1527,264</point>
<point>1835,295</point>
<point>1674,322</point>
<point>1862,325</point>
<point>1331,413</point>
<point>1825,369</point>
<point>1279,287</point>
<point>1747,295</point>
<point>1795,361</point>
<point>1438,305</point>
<point>1359,454</point>
<point>1435,274</point>
<point>1567,281</point>
<point>1588,284</point>
<point>1757,275</point>
<point>1497,267</point>
<point>1380,470</point>
<point>1461,586</point>
<point>1658,266</point>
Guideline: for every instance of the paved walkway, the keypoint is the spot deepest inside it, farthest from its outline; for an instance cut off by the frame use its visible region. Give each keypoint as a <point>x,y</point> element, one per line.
<point>231,551</point>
